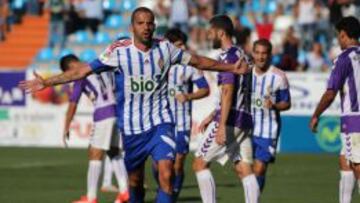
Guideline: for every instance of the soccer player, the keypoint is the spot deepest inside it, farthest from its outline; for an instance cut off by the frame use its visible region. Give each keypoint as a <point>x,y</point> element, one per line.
<point>270,96</point>
<point>143,112</point>
<point>99,88</point>
<point>345,78</point>
<point>181,81</point>
<point>228,135</point>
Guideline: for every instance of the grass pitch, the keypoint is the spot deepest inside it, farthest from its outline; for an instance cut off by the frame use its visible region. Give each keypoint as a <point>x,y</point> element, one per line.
<point>36,175</point>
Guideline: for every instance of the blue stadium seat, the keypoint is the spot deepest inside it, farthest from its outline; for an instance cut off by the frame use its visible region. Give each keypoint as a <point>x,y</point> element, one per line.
<point>114,22</point>
<point>109,4</point>
<point>101,38</point>
<point>246,22</point>
<point>88,55</point>
<point>122,35</point>
<point>82,37</point>
<point>271,6</point>
<point>127,5</point>
<point>65,52</point>
<point>45,55</point>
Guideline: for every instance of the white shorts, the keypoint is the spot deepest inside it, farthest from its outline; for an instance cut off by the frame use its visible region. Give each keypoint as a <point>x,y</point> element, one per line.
<point>237,147</point>
<point>351,147</point>
<point>105,135</point>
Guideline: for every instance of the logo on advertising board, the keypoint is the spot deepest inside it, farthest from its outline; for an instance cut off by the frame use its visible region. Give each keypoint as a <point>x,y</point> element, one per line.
<point>328,136</point>
<point>10,93</point>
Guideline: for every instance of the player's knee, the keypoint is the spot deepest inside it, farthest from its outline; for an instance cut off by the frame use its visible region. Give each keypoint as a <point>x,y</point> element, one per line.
<point>243,169</point>
<point>95,153</point>
<point>198,164</point>
<point>178,168</point>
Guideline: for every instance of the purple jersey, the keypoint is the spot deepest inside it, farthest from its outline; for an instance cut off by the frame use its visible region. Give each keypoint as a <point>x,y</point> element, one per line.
<point>345,77</point>
<point>99,88</point>
<point>239,115</point>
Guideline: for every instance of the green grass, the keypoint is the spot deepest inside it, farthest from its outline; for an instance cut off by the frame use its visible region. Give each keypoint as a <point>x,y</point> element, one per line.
<point>39,175</point>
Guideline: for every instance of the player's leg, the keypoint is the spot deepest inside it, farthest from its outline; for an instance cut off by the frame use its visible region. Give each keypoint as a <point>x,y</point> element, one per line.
<point>205,180</point>
<point>243,163</point>
<point>107,185</point>
<point>347,180</point>
<point>264,153</point>
<point>136,183</point>
<point>182,149</point>
<point>163,153</point>
<point>208,150</point>
<point>352,141</point>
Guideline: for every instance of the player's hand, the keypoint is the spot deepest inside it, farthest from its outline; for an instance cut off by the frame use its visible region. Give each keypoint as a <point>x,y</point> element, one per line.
<point>220,136</point>
<point>33,85</point>
<point>181,98</point>
<point>205,123</point>
<point>66,137</point>
<point>268,103</point>
<point>313,124</point>
<point>241,66</point>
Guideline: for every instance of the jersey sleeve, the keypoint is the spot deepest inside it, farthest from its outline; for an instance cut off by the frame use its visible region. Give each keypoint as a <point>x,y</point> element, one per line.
<point>108,60</point>
<point>338,74</point>
<point>178,55</point>
<point>283,92</point>
<point>198,79</point>
<point>77,90</point>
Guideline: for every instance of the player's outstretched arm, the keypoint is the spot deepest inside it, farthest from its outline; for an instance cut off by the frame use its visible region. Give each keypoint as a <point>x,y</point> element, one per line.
<point>81,70</point>
<point>199,94</point>
<point>69,117</point>
<point>326,100</point>
<point>205,63</point>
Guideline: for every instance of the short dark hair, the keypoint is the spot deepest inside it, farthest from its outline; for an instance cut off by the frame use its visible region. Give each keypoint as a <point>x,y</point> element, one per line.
<point>141,9</point>
<point>350,25</point>
<point>224,23</point>
<point>263,42</point>
<point>66,60</point>
<point>175,34</point>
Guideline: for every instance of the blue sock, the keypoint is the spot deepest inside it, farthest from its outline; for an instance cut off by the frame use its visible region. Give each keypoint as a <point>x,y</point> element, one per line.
<point>137,195</point>
<point>163,197</point>
<point>261,182</point>
<point>177,184</point>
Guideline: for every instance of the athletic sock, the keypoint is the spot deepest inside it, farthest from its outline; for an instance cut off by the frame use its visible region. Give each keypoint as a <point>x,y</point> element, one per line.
<point>120,173</point>
<point>94,171</point>
<point>107,174</point>
<point>346,186</point>
<point>251,189</point>
<point>206,185</point>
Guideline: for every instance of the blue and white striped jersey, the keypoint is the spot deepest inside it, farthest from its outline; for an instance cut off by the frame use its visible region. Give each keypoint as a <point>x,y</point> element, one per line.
<point>273,84</point>
<point>141,82</point>
<point>181,81</point>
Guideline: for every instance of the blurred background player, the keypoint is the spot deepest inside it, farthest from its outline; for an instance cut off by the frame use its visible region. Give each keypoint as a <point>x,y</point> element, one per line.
<point>228,135</point>
<point>99,88</point>
<point>270,96</point>
<point>143,109</point>
<point>181,81</point>
<point>345,78</point>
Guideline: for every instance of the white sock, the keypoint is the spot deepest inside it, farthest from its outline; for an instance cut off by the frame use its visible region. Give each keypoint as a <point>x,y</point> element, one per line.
<point>207,186</point>
<point>107,173</point>
<point>120,173</point>
<point>251,189</point>
<point>346,186</point>
<point>94,171</point>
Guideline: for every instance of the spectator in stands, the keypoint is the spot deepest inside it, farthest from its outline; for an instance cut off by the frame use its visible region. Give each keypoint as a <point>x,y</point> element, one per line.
<point>315,60</point>
<point>306,15</point>
<point>57,10</point>
<point>264,27</point>
<point>93,14</point>
<point>179,15</point>
<point>198,21</point>
<point>290,51</point>
<point>4,12</point>
<point>242,35</point>
<point>221,6</point>
<point>161,16</point>
<point>18,8</point>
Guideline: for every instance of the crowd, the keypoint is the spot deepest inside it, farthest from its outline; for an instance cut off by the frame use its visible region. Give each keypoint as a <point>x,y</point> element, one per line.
<point>301,30</point>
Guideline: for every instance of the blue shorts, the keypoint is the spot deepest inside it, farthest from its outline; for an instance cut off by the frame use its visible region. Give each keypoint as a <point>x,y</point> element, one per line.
<point>264,149</point>
<point>159,142</point>
<point>182,142</point>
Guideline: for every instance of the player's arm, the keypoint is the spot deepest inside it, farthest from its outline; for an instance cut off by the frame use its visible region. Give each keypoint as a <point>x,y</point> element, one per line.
<point>205,63</point>
<point>335,83</point>
<point>80,70</point>
<point>74,99</point>
<point>204,123</point>
<point>226,102</point>
<point>201,92</point>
